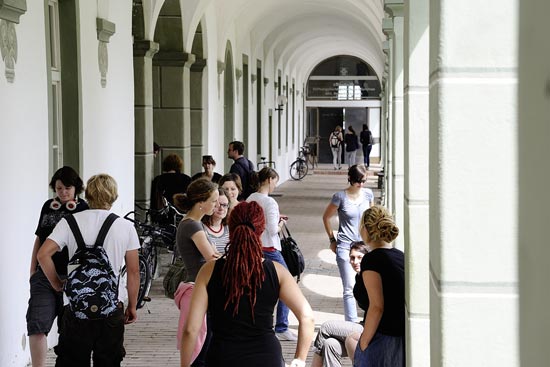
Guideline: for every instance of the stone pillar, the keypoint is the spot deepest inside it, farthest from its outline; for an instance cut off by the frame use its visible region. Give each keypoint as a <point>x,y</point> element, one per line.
<point>395,9</point>
<point>473,183</point>
<point>143,115</point>
<point>188,155</point>
<point>534,180</point>
<point>171,101</point>
<point>200,130</point>
<point>416,143</point>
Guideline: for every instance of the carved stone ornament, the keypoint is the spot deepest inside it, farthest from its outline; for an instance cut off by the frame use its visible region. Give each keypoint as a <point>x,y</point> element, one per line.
<point>105,30</point>
<point>8,48</point>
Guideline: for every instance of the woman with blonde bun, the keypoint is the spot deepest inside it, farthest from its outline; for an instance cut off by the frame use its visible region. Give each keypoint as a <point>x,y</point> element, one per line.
<point>382,289</point>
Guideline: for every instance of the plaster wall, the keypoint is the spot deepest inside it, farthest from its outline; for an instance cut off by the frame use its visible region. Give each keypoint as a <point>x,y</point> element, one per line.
<point>25,176</point>
<point>107,114</point>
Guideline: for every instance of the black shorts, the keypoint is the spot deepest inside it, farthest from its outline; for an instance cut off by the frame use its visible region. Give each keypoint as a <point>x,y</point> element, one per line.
<point>78,339</point>
<point>45,304</point>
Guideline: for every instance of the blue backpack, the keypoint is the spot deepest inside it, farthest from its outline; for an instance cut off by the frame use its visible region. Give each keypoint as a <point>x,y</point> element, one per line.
<point>92,288</point>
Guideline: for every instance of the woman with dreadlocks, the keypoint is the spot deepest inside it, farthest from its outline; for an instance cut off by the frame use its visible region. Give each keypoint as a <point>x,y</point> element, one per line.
<point>241,290</point>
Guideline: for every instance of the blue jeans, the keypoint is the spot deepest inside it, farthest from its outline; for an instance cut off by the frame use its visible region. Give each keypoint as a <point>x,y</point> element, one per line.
<point>347,274</point>
<point>366,154</point>
<point>382,351</point>
<point>281,323</point>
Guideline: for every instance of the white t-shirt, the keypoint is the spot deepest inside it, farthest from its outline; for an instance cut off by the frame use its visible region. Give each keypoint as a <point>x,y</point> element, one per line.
<point>122,237</point>
<point>270,237</point>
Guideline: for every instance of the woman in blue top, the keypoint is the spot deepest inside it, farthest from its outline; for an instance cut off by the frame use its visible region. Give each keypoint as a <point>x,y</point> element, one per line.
<point>349,204</point>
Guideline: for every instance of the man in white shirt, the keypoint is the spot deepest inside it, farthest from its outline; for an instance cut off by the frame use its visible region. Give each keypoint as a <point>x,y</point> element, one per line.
<point>104,337</point>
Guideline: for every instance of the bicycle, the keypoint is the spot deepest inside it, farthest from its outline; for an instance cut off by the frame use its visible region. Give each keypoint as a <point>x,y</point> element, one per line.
<point>265,163</point>
<point>299,168</point>
<point>150,237</point>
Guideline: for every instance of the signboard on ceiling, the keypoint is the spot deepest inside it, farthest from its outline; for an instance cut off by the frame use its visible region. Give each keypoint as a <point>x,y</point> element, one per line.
<point>343,88</point>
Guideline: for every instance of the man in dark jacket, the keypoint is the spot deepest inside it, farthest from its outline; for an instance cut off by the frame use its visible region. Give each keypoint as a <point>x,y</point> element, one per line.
<point>242,166</point>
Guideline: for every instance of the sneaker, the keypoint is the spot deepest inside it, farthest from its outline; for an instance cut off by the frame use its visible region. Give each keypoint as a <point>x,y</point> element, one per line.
<point>287,336</point>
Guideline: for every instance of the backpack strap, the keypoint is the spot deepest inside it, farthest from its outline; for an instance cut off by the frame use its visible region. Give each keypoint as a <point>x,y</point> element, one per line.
<point>76,231</point>
<point>104,229</point>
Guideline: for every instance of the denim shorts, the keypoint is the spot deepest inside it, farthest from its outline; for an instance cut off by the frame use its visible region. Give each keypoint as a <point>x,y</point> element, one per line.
<point>45,304</point>
<point>382,351</point>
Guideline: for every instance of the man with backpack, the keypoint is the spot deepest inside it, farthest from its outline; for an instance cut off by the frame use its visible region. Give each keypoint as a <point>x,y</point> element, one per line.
<point>335,141</point>
<point>242,166</point>
<point>99,245</point>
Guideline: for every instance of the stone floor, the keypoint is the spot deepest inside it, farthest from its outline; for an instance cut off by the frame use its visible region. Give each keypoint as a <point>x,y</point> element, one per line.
<point>151,341</point>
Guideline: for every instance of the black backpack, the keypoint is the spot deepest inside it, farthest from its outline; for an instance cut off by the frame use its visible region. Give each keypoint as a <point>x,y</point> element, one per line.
<point>291,253</point>
<point>92,287</point>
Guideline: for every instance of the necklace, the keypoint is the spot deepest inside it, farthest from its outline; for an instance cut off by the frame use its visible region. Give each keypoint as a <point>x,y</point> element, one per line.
<point>213,231</point>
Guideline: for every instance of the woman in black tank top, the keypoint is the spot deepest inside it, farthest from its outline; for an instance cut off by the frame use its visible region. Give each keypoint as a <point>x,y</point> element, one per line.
<point>241,290</point>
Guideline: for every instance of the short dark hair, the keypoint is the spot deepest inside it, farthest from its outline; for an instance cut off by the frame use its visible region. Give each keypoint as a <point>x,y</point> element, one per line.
<point>69,177</point>
<point>208,159</point>
<point>238,146</point>
<point>172,162</point>
<point>359,246</point>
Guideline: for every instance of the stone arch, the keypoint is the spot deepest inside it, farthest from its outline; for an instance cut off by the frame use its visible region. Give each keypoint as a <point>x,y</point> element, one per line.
<point>171,125</point>
<point>342,90</point>
<point>228,99</point>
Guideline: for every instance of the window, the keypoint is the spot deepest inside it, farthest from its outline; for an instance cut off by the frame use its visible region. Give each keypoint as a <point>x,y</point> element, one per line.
<point>54,62</point>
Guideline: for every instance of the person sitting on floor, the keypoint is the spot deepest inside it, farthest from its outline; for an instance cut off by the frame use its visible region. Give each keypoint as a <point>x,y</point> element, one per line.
<point>338,338</point>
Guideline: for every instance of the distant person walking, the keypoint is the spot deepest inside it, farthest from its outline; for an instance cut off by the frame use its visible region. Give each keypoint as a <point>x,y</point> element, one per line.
<point>335,141</point>
<point>242,166</point>
<point>352,144</point>
<point>349,204</point>
<point>366,140</point>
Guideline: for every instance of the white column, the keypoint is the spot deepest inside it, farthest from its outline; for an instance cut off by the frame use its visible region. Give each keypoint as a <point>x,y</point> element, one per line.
<point>387,28</point>
<point>416,141</point>
<point>395,9</point>
<point>534,181</point>
<point>473,184</point>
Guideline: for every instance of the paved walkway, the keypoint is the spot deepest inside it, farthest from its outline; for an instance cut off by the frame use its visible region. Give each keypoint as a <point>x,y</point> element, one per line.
<point>151,341</point>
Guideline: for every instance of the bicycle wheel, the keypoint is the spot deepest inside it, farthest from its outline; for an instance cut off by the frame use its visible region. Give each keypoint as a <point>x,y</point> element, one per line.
<point>144,283</point>
<point>298,169</point>
<point>123,283</point>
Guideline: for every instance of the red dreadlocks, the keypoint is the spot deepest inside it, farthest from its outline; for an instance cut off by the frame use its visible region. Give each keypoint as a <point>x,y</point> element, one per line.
<point>243,270</point>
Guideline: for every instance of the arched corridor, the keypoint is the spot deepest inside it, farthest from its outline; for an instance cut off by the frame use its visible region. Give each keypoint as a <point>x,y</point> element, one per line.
<point>460,122</point>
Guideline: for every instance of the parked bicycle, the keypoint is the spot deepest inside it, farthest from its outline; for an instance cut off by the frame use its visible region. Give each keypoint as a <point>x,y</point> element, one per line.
<point>299,168</point>
<point>265,163</point>
<point>151,237</point>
